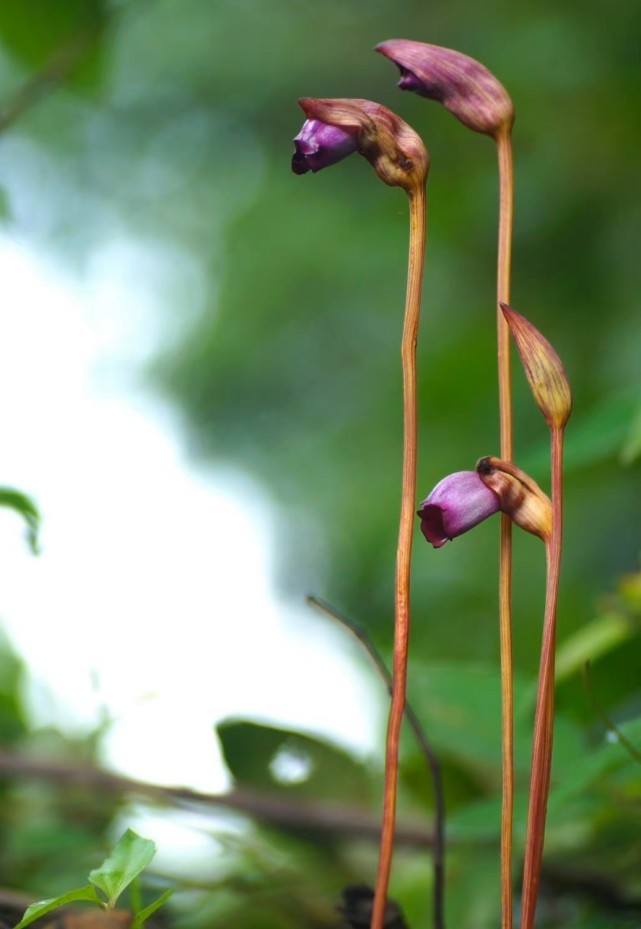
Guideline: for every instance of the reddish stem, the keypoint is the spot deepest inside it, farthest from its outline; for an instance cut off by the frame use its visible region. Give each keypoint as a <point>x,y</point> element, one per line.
<point>417,201</point>
<point>544,717</point>
<point>506,212</point>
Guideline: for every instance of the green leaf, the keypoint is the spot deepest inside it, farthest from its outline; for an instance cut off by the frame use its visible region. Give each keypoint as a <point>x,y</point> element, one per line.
<point>142,916</point>
<point>15,500</point>
<point>595,436</point>
<point>269,758</point>
<point>130,856</point>
<point>36,910</point>
<point>36,31</point>
<point>632,445</point>
<point>597,638</point>
<point>460,706</point>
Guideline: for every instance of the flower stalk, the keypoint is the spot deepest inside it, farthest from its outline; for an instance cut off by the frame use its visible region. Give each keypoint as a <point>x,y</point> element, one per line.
<point>400,159</point>
<point>551,391</point>
<point>417,206</point>
<point>473,94</point>
<point>544,716</point>
<point>503,277</point>
<point>431,758</point>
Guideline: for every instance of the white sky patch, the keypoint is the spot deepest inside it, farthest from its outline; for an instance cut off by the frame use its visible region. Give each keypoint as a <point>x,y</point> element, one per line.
<point>155,578</point>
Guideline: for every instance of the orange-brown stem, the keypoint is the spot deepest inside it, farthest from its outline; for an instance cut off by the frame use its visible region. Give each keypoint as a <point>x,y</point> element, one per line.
<point>404,551</point>
<point>544,717</point>
<point>506,211</point>
<point>438,847</point>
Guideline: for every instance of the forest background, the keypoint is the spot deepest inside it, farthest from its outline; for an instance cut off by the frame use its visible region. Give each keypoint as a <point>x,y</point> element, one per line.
<point>170,123</point>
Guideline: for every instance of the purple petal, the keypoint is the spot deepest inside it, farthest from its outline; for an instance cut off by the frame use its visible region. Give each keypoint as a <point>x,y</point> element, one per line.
<point>319,145</point>
<point>458,503</point>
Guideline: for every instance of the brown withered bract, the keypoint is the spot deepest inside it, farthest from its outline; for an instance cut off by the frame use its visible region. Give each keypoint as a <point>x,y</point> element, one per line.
<point>392,147</point>
<point>519,495</point>
<point>463,85</point>
<point>543,369</point>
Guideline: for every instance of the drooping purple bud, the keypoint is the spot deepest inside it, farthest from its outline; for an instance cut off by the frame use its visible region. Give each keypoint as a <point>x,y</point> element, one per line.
<point>459,82</point>
<point>319,145</point>
<point>394,150</point>
<point>458,503</point>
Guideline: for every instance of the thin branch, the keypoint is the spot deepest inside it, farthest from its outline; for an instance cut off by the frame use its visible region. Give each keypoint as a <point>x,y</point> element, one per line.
<point>335,820</point>
<point>430,755</point>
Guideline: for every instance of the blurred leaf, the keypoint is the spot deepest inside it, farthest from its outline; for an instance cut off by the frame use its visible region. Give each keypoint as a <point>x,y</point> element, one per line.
<point>129,858</point>
<point>143,915</point>
<point>630,589</point>
<point>270,758</point>
<point>476,822</point>
<point>592,436</point>
<point>36,910</point>
<point>24,505</point>
<point>632,444</point>
<point>5,205</point>
<point>591,642</point>
<point>460,704</point>
<point>609,756</point>
<point>36,30</point>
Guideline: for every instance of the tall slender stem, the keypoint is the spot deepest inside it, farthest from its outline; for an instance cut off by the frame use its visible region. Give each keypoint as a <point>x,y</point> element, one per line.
<point>438,851</point>
<point>417,204</point>
<point>506,211</point>
<point>544,717</point>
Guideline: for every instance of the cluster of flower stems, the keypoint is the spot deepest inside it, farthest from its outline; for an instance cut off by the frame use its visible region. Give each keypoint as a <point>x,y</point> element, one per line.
<point>334,129</point>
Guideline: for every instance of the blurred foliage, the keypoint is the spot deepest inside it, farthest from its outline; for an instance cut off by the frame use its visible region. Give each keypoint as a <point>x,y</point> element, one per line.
<point>24,506</point>
<point>168,123</point>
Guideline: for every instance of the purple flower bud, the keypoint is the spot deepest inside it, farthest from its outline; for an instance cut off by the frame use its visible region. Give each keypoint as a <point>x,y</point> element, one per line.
<point>337,127</point>
<point>459,82</point>
<point>458,503</point>
<point>319,145</point>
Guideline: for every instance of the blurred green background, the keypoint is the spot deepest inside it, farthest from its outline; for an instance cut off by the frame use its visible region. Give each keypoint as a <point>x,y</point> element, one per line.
<point>171,121</point>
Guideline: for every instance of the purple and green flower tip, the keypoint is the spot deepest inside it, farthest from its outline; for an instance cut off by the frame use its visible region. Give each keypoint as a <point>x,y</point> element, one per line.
<point>458,503</point>
<point>462,84</point>
<point>319,145</point>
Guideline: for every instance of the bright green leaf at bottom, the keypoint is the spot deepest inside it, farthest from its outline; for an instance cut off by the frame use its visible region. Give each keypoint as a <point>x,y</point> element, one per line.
<point>143,915</point>
<point>130,856</point>
<point>36,910</point>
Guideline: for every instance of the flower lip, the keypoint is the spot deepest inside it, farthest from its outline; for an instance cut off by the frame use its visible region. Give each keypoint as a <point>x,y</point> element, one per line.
<point>319,145</point>
<point>408,80</point>
<point>458,503</point>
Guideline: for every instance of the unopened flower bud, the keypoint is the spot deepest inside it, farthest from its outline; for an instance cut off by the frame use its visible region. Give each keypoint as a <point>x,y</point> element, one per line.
<point>464,86</point>
<point>394,150</point>
<point>319,145</point>
<point>458,503</point>
<point>519,496</point>
<point>543,369</point>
